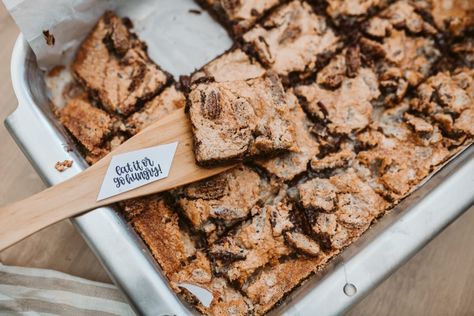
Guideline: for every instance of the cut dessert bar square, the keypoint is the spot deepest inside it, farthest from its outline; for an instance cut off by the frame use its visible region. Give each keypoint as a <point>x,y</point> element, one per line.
<point>341,97</point>
<point>166,102</point>
<point>288,165</point>
<point>158,225</point>
<point>225,299</point>
<point>293,39</point>
<point>273,282</point>
<point>409,141</point>
<point>239,15</point>
<point>272,234</point>
<point>90,125</point>
<point>114,66</point>
<point>235,120</point>
<point>221,201</point>
<point>339,208</point>
<point>394,165</point>
<point>251,246</point>
<point>401,45</point>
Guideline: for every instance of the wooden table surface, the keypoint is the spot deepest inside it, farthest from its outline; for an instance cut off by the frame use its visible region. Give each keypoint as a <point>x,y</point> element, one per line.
<point>439,280</point>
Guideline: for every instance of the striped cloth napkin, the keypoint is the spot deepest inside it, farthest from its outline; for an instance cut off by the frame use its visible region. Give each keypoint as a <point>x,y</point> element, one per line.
<point>28,291</point>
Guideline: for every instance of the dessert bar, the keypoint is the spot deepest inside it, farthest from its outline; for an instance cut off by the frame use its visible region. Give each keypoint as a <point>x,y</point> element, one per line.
<point>219,202</point>
<point>293,40</point>
<point>114,67</point>
<point>92,127</point>
<point>235,120</point>
<point>288,165</point>
<point>161,105</point>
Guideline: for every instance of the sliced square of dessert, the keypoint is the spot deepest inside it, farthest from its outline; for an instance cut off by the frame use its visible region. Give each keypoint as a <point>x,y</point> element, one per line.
<point>292,40</point>
<point>89,125</point>
<point>113,65</point>
<point>219,202</point>
<point>239,15</point>
<point>235,120</point>
<point>161,105</point>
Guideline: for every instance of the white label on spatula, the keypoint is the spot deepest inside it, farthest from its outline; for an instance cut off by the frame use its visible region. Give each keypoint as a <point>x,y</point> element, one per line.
<point>136,168</point>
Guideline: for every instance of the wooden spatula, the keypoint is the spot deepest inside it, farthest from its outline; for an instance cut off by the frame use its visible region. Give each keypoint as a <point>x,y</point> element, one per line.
<point>79,194</point>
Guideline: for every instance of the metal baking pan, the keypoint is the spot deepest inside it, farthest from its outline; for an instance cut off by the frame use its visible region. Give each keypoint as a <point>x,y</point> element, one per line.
<point>366,263</point>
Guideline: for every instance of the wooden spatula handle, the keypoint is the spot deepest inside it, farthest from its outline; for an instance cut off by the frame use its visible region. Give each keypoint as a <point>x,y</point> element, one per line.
<point>79,194</point>
<point>23,218</point>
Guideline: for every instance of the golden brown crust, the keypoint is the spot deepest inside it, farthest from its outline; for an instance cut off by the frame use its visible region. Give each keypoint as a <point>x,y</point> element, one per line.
<point>158,226</point>
<point>90,125</point>
<point>222,200</point>
<point>288,165</point>
<point>236,120</point>
<point>292,39</point>
<point>113,65</point>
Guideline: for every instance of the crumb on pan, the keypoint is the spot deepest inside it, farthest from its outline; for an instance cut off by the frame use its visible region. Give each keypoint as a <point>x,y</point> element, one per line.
<point>63,165</point>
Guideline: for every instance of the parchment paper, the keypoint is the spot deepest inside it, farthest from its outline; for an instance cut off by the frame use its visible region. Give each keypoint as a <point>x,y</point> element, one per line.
<point>178,39</point>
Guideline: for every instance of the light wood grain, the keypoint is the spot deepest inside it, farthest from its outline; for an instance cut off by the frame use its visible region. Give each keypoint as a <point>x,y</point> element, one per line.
<point>79,194</point>
<point>438,281</point>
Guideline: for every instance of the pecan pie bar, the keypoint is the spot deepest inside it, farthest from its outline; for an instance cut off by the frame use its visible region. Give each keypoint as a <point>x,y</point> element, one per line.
<point>339,208</point>
<point>92,127</point>
<point>252,245</point>
<point>235,120</point>
<point>221,201</point>
<point>114,67</point>
<point>273,282</point>
<point>292,40</point>
<point>401,45</point>
<point>341,96</point>
<point>158,225</point>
